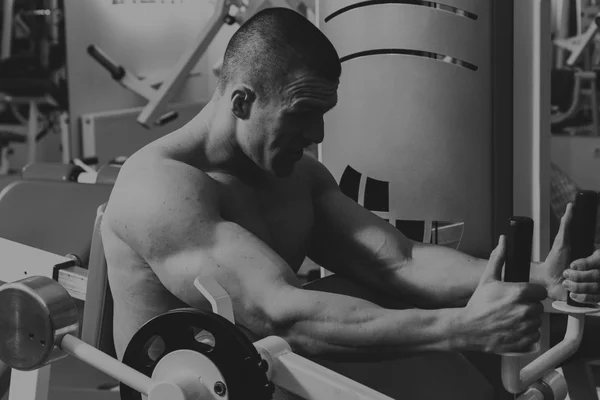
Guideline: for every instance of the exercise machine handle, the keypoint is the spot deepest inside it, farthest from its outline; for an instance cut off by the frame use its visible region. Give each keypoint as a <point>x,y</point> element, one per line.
<point>582,230</point>
<point>116,71</point>
<point>518,249</point>
<point>517,265</point>
<point>538,377</point>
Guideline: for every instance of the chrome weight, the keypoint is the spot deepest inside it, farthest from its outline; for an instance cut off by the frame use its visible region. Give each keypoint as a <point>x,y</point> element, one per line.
<point>207,333</point>
<point>35,314</point>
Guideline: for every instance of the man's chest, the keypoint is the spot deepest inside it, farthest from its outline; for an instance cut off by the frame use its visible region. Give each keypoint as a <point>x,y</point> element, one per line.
<point>281,215</point>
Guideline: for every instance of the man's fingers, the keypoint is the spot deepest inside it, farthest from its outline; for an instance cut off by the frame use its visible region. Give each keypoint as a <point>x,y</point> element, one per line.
<point>531,339</point>
<point>530,328</point>
<point>493,270</point>
<point>524,343</point>
<point>533,310</point>
<point>591,262</point>
<point>582,287</point>
<point>586,298</point>
<point>592,275</point>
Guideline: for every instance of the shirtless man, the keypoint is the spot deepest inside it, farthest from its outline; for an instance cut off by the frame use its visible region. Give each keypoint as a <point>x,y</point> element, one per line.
<point>232,196</point>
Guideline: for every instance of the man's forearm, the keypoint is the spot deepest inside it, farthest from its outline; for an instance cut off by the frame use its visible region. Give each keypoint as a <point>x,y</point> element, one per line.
<point>333,326</point>
<point>436,276</point>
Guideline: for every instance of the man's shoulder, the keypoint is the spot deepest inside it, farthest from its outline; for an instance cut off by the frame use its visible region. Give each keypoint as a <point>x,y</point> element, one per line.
<point>160,175</point>
<point>152,191</point>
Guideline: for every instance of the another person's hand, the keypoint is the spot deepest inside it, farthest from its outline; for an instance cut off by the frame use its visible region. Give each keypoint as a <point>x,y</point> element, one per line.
<point>502,317</point>
<point>581,277</point>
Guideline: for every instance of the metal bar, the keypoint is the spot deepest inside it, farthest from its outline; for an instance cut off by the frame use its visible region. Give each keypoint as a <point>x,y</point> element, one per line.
<point>30,385</point>
<point>65,139</point>
<point>32,131</point>
<point>516,380</point>
<point>105,363</point>
<point>138,86</point>
<point>307,379</point>
<point>503,50</point>
<point>531,142</point>
<point>7,26</point>
<point>186,63</point>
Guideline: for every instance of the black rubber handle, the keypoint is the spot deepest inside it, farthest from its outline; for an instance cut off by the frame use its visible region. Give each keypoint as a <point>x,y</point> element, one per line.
<point>166,118</point>
<point>583,230</point>
<point>519,238</point>
<point>116,71</point>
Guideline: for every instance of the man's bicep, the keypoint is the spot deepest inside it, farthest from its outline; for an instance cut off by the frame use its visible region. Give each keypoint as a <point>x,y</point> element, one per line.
<point>347,238</point>
<point>248,270</point>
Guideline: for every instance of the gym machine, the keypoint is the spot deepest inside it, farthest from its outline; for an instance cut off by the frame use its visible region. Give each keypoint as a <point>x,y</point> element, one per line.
<point>205,356</point>
<point>158,91</point>
<point>583,79</point>
<point>31,78</point>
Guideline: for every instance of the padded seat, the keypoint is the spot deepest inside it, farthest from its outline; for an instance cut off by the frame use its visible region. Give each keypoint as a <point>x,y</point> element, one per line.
<point>53,216</point>
<point>51,172</point>
<point>107,174</point>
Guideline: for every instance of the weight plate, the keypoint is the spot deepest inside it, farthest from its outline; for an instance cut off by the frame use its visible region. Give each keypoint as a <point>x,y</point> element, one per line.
<point>208,333</point>
<point>35,314</point>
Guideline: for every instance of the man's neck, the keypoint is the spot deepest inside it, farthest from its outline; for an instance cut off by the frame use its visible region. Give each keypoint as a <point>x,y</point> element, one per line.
<point>220,147</point>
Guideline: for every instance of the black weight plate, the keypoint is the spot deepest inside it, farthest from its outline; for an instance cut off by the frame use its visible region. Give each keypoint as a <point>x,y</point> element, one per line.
<point>233,353</point>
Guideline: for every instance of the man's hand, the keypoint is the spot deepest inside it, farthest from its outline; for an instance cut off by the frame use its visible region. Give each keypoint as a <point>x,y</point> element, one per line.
<point>502,317</point>
<point>581,277</point>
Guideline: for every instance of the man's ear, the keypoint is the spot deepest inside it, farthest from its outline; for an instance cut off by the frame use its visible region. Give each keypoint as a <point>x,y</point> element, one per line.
<point>242,99</point>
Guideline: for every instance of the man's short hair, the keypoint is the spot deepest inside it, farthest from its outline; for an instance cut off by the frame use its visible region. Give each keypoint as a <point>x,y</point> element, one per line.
<point>273,43</point>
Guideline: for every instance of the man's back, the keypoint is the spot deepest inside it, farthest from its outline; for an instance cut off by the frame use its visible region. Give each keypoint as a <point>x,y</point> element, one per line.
<point>278,212</point>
